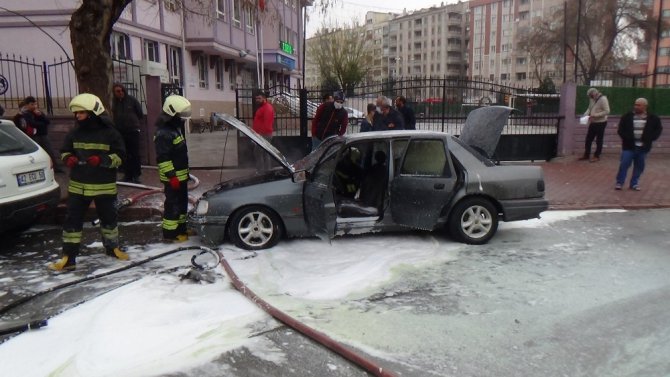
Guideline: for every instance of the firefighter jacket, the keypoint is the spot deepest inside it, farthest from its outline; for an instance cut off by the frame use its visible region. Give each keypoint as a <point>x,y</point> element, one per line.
<point>171,151</point>
<point>96,136</point>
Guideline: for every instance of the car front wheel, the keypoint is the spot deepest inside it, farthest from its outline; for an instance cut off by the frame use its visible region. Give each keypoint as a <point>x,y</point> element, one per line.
<point>255,228</point>
<point>473,221</point>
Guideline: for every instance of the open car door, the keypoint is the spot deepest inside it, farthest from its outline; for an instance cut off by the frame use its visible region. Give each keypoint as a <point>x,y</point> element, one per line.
<point>318,197</point>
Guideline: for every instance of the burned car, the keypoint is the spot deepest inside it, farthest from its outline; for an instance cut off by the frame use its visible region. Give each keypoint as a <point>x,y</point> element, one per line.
<point>376,182</point>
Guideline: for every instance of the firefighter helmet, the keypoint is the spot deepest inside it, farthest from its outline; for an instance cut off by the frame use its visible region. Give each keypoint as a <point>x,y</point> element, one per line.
<point>177,105</point>
<point>87,102</point>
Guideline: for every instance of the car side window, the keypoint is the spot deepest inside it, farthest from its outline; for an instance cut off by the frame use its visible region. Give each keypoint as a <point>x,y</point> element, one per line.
<point>399,147</point>
<point>425,157</point>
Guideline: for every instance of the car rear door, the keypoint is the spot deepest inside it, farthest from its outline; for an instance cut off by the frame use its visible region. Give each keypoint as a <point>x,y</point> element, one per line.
<point>318,200</point>
<point>423,183</point>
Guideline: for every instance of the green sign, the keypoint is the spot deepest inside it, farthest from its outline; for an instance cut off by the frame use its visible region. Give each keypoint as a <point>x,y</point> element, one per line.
<point>286,47</point>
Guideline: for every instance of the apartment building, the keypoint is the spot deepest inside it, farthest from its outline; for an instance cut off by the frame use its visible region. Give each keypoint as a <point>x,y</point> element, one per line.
<point>495,29</point>
<point>429,42</point>
<point>208,48</point>
<point>658,56</point>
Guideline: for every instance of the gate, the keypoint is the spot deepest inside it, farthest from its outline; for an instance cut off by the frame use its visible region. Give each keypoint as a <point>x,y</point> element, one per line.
<point>55,84</point>
<point>440,104</point>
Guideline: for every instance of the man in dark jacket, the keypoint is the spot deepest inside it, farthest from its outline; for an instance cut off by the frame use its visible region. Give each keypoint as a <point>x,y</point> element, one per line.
<point>331,119</point>
<point>638,130</point>
<point>36,125</point>
<point>127,114</point>
<point>172,159</point>
<point>93,151</point>
<point>407,113</point>
<point>390,119</point>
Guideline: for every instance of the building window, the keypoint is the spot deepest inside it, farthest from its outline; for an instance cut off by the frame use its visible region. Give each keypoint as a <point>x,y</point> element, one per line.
<point>221,9</point>
<point>521,61</point>
<point>521,76</point>
<point>203,82</point>
<point>250,19</point>
<point>665,13</point>
<point>237,13</point>
<point>174,65</point>
<point>151,51</point>
<point>219,73</point>
<point>503,76</point>
<point>120,44</point>
<point>664,51</point>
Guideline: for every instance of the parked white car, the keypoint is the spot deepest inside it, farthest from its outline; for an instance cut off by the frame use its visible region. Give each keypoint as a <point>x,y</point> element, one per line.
<point>27,185</point>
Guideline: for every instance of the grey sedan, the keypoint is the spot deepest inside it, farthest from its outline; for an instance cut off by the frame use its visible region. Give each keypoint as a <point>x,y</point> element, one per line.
<point>376,182</point>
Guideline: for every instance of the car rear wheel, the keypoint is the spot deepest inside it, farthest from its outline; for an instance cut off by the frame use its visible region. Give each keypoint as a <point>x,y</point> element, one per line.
<point>255,228</point>
<point>473,221</point>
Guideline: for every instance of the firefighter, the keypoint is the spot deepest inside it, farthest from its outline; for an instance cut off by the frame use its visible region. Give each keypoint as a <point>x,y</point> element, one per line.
<point>172,159</point>
<point>93,151</point>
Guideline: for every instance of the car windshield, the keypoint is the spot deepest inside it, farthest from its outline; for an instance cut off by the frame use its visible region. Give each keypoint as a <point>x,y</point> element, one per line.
<point>13,141</point>
<point>308,162</point>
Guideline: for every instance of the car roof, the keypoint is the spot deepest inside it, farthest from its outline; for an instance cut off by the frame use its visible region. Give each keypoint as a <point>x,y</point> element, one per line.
<point>393,134</point>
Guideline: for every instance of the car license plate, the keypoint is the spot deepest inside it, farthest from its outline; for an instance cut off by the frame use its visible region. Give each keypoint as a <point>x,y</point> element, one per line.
<point>31,177</point>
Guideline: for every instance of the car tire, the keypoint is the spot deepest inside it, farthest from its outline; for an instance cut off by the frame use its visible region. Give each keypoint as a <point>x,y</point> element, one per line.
<point>473,221</point>
<point>255,228</point>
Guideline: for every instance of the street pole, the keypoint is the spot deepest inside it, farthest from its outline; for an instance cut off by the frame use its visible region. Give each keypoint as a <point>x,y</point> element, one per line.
<point>579,24</point>
<point>565,40</point>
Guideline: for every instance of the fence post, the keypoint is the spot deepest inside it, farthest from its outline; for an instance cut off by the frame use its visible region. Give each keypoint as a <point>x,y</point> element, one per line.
<point>444,100</point>
<point>47,91</point>
<point>303,112</point>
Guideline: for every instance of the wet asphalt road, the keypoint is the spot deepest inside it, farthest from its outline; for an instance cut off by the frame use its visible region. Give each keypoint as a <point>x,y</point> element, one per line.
<point>582,297</point>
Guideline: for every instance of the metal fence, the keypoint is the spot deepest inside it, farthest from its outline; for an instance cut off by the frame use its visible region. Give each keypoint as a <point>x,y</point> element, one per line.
<point>54,84</point>
<point>440,104</point>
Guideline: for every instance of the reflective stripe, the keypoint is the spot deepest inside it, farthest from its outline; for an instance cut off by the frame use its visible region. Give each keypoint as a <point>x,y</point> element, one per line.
<point>116,160</point>
<point>177,140</point>
<point>111,234</point>
<point>181,174</point>
<point>182,219</point>
<point>72,237</point>
<point>170,224</point>
<point>65,155</point>
<point>91,189</point>
<point>164,168</point>
<point>102,147</point>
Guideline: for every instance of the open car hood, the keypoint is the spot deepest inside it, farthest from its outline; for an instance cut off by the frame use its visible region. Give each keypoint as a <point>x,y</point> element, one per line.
<point>256,138</point>
<point>483,127</point>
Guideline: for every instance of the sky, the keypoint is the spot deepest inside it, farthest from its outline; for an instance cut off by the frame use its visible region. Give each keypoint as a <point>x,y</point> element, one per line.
<point>159,325</point>
<point>345,11</point>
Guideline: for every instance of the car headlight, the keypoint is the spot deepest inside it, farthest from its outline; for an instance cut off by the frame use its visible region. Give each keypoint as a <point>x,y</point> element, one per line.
<point>202,207</point>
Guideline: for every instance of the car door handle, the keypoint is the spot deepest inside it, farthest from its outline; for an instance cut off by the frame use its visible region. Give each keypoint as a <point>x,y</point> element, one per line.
<point>439,186</point>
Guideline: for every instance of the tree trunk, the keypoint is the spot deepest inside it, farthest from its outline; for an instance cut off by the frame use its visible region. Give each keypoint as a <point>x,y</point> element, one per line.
<point>90,28</point>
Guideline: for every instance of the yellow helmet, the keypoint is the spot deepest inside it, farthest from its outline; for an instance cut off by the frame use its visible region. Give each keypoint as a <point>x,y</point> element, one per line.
<point>87,102</point>
<point>175,104</point>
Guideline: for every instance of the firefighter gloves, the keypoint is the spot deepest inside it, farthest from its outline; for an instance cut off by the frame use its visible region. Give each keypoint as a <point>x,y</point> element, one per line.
<point>71,161</point>
<point>174,183</point>
<point>93,160</point>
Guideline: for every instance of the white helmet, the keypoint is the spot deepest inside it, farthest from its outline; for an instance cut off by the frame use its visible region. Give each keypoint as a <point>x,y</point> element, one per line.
<point>177,105</point>
<point>87,102</point>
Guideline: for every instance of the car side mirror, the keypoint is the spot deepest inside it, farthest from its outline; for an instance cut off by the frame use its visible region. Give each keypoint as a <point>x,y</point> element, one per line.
<point>299,176</point>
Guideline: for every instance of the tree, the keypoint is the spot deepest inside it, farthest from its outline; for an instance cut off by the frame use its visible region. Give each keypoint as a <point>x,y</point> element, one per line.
<point>90,29</point>
<point>608,32</point>
<point>341,55</point>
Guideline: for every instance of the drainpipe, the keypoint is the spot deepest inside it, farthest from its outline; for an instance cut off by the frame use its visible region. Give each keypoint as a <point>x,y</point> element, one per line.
<point>183,54</point>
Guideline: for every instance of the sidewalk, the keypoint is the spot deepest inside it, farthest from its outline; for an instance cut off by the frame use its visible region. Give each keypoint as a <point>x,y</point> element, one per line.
<point>573,184</point>
<point>570,185</point>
